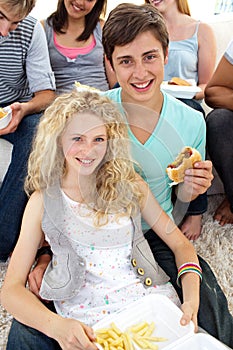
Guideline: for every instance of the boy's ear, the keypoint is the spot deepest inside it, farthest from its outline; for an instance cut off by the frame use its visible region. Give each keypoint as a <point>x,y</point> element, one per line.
<point>166,57</point>
<point>108,63</point>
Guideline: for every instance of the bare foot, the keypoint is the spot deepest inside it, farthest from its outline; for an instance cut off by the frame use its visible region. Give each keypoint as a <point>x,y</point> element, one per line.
<point>223,213</point>
<point>191,227</point>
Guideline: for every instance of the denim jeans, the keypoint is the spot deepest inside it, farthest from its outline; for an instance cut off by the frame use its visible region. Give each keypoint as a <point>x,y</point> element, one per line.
<point>220,146</point>
<point>213,316</point>
<point>22,337</point>
<point>13,199</point>
<point>181,209</point>
<point>193,104</point>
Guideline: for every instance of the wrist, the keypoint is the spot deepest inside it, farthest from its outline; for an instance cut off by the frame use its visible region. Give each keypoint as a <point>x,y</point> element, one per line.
<point>45,251</point>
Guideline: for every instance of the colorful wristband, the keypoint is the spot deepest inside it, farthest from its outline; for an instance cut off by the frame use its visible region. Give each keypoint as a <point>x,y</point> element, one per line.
<point>188,267</point>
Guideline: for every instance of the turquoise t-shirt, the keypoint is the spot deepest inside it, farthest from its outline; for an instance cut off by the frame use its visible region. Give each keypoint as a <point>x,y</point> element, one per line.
<point>178,126</point>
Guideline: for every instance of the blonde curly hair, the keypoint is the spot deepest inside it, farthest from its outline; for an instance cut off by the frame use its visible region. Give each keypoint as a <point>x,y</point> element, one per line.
<point>116,189</point>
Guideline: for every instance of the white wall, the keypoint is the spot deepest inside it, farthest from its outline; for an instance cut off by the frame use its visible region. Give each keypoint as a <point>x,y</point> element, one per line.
<point>200,8</point>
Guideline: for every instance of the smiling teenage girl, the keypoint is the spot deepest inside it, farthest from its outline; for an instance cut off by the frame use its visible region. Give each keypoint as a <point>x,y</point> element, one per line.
<point>86,200</point>
<point>74,36</point>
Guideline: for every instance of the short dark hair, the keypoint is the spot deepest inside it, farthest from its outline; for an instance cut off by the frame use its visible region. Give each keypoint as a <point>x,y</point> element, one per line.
<point>127,20</point>
<point>58,19</point>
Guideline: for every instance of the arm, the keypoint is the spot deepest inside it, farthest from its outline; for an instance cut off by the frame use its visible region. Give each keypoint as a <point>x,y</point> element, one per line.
<point>39,102</point>
<point>30,310</point>
<point>40,77</point>
<point>183,250</point>
<point>36,275</point>
<point>219,91</point>
<point>206,56</point>
<point>198,179</point>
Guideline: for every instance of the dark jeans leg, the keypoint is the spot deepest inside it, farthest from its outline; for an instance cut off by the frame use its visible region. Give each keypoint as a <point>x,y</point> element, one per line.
<point>22,337</point>
<point>181,210</point>
<point>214,315</point>
<point>193,104</point>
<point>220,146</point>
<point>12,196</point>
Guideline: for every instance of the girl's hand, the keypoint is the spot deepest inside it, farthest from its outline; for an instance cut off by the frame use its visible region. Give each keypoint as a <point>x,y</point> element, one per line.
<point>189,313</point>
<point>72,334</point>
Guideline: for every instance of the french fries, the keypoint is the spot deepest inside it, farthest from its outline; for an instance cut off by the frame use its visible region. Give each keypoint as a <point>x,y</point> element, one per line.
<point>2,113</point>
<point>113,338</point>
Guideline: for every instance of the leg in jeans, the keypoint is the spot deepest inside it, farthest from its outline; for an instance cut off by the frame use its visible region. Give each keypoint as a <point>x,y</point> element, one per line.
<point>213,315</point>
<point>22,337</point>
<point>12,196</point>
<point>193,104</point>
<point>220,146</point>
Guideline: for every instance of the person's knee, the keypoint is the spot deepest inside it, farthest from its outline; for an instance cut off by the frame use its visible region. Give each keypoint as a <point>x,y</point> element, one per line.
<point>22,337</point>
<point>219,119</point>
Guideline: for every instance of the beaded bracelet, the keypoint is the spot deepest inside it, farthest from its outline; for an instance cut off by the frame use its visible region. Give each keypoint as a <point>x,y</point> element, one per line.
<point>188,267</point>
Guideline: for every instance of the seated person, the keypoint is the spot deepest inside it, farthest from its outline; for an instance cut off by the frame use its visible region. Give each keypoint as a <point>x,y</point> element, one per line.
<point>74,39</point>
<point>192,47</point>
<point>219,95</point>
<point>86,199</point>
<point>191,55</point>
<point>27,86</point>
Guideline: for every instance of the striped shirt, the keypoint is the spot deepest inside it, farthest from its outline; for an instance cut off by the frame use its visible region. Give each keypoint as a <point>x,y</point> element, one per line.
<point>24,63</point>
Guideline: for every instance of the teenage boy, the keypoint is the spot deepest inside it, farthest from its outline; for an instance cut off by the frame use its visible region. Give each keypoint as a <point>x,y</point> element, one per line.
<point>135,41</point>
<point>27,86</point>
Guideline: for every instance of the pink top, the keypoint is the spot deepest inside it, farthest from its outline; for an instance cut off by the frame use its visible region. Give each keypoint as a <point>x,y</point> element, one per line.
<point>73,52</point>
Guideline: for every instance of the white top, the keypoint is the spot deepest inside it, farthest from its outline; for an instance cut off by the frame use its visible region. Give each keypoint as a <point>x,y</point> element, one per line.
<point>110,282</point>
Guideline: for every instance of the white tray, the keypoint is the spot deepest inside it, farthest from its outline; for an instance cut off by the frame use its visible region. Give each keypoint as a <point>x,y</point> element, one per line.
<point>166,316</point>
<point>157,308</point>
<point>200,341</point>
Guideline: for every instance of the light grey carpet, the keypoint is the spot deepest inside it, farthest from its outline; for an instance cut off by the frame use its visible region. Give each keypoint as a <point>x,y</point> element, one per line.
<point>214,245</point>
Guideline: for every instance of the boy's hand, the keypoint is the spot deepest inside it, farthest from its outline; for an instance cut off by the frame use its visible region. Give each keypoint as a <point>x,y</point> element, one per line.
<point>198,180</point>
<point>36,275</point>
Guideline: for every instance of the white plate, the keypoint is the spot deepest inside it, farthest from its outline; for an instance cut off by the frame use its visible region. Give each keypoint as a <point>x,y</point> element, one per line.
<point>180,91</point>
<point>157,308</point>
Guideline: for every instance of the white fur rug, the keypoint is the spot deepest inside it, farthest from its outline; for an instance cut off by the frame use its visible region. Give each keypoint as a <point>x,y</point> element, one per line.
<point>214,245</point>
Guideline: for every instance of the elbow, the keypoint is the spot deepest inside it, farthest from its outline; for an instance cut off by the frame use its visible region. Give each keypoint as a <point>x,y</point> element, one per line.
<point>209,98</point>
<point>3,296</point>
<point>6,294</point>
